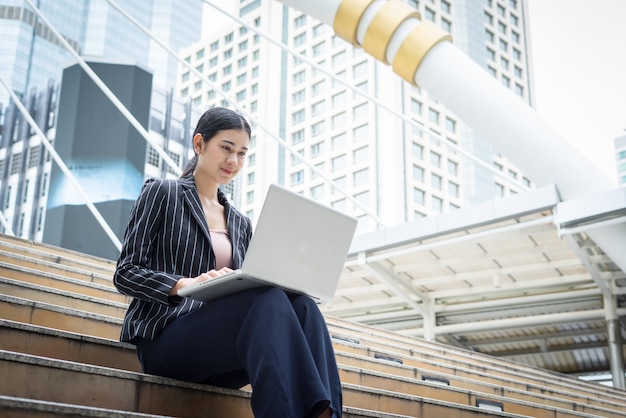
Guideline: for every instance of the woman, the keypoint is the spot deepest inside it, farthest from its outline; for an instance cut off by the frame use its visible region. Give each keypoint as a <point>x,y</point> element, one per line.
<point>185,231</point>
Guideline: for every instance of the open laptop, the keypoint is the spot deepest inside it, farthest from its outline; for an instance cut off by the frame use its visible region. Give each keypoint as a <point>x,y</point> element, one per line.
<point>298,245</point>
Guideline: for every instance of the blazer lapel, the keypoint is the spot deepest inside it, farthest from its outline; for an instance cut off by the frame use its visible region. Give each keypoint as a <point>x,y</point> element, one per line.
<point>193,201</point>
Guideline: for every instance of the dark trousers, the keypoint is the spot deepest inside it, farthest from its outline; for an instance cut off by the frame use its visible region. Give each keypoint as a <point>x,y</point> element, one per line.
<point>275,341</point>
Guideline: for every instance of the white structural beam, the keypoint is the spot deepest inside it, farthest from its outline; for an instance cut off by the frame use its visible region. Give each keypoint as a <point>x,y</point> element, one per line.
<point>422,54</point>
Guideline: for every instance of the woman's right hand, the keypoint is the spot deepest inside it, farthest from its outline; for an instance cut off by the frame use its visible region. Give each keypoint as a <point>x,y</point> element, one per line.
<point>186,281</point>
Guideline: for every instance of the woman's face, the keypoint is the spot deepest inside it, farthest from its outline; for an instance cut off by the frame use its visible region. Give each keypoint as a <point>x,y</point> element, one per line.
<point>221,158</point>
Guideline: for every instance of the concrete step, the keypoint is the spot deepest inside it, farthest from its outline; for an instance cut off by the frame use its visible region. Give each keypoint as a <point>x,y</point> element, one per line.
<point>30,408</point>
<point>62,298</point>
<point>87,286</point>
<point>45,314</point>
<point>44,379</point>
<point>376,340</point>
<point>52,316</point>
<point>83,273</point>
<point>355,369</point>
<point>56,254</point>
<point>410,349</point>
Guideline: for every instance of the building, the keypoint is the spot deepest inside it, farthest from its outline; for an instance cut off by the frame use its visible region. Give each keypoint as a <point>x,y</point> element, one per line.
<point>392,170</point>
<point>620,158</point>
<point>33,63</point>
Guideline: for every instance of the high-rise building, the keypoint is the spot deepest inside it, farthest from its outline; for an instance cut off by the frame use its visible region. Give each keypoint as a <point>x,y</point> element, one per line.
<point>620,157</point>
<point>32,55</point>
<point>32,64</point>
<point>413,160</point>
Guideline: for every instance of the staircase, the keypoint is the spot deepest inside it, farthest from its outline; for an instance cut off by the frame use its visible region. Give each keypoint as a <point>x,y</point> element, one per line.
<point>60,318</point>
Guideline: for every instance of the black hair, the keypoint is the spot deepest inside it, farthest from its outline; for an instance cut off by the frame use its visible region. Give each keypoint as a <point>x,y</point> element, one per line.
<point>210,123</point>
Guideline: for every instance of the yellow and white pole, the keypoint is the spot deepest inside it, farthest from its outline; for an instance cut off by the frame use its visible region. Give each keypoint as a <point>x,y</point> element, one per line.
<point>423,54</point>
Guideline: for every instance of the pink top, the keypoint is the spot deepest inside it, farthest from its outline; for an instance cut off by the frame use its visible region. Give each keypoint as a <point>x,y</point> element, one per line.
<point>222,248</point>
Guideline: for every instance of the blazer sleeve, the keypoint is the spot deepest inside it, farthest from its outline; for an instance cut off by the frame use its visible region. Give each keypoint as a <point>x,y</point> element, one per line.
<point>133,277</point>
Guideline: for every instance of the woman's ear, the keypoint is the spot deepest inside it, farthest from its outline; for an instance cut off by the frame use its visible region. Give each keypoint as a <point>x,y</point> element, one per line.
<point>198,142</point>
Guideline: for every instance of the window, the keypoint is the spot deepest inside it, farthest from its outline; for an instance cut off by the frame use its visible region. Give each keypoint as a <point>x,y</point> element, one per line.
<point>419,196</point>
<point>433,115</point>
<point>226,86</point>
<point>360,133</point>
<point>300,21</point>
<point>200,54</point>
<point>228,53</point>
<point>243,45</point>
<point>437,204</point>
<point>241,78</point>
<point>242,62</point>
<point>317,191</point>
<point>418,173</point>
<point>338,163</point>
<point>339,58</point>
<point>250,196</point>
<point>502,28</point>
<point>339,99</point>
<point>251,179</point>
<point>197,85</point>
<point>359,69</point>
<point>361,177</point>
<point>450,124</point>
<point>213,62</point>
<point>360,155</point>
<point>316,149</point>
<point>243,30</point>
<point>360,111</point>
<point>317,88</point>
<point>33,156</point>
<point>339,120</point>
<point>503,45</point>
<point>317,128</point>
<point>318,49</point>
<point>228,38</point>
<point>445,6</point>
<point>241,95</point>
<point>185,77</point>
<point>299,39</point>
<point>338,141</point>
<point>519,90</point>
<point>418,151</point>
<point>251,160</point>
<point>504,63</point>
<point>319,30</point>
<point>435,159</point>
<point>298,77</point>
<point>518,71</point>
<point>297,117</point>
<point>214,46</point>
<point>416,107</point>
<point>228,69</point>
<point>429,14</point>
<point>297,137</point>
<point>490,35</point>
<point>446,25</point>
<point>453,189</point>
<point>298,96</point>
<point>255,72</point>
<point>435,181</point>
<point>453,168</point>
<point>297,177</point>
<point>254,89</point>
<point>317,108</point>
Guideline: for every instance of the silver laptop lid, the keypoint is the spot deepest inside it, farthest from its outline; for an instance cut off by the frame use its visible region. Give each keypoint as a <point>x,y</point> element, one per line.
<point>299,244</point>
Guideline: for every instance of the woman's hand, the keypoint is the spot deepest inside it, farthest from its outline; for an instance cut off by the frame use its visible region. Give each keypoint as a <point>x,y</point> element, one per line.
<point>211,274</point>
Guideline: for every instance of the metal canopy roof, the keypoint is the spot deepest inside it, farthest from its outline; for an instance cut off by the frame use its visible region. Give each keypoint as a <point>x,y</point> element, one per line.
<point>503,278</point>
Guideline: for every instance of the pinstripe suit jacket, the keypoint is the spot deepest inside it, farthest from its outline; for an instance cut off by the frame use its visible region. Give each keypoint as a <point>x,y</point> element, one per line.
<point>167,238</point>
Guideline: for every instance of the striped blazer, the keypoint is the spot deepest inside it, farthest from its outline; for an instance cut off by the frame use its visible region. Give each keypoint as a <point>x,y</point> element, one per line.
<point>167,238</point>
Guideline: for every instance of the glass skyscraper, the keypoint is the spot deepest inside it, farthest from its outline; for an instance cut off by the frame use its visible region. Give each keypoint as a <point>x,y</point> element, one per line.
<point>32,65</point>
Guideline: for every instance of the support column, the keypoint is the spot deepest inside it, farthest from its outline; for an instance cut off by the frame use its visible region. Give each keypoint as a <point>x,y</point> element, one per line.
<point>616,347</point>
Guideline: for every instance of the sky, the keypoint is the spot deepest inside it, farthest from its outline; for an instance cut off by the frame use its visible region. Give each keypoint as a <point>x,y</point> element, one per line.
<point>578,52</point>
<point>579,67</point>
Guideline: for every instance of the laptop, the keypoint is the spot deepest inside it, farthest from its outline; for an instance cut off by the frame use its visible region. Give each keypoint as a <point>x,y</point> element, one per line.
<point>298,245</point>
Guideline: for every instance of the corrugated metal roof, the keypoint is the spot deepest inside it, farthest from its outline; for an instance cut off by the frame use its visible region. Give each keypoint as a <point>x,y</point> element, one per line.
<point>500,278</point>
